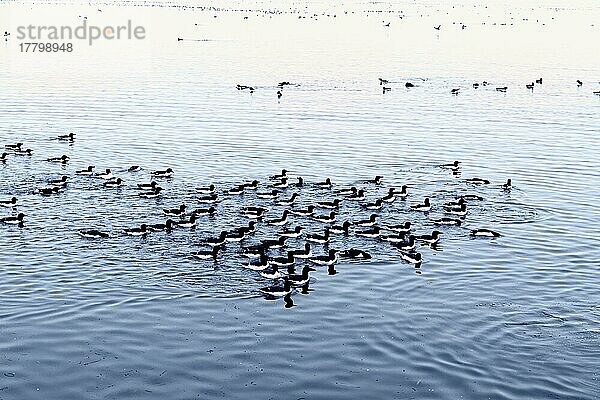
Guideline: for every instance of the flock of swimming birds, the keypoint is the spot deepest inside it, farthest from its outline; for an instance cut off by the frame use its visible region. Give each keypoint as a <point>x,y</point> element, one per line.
<point>325,213</point>
<point>386,86</point>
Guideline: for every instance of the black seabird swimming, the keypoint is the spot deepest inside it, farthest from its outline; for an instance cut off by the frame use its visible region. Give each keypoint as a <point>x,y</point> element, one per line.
<point>147,186</point>
<point>59,182</point>
<point>300,181</point>
<point>335,203</point>
<point>69,137</point>
<point>412,257</point>
<point>316,238</point>
<point>3,157</point>
<point>376,180</point>
<point>355,254</point>
<point>301,279</point>
<point>13,146</point>
<point>325,184</point>
<point>401,228</point>
<point>403,192</point>
<point>329,259</point>
<point>397,238</point>
<point>113,183</point>
<point>485,233</point>
<point>304,253</point>
<point>209,198</point>
<point>280,221</point>
<point>216,241</point>
<point>267,195</point>
<point>507,185</point>
<point>260,265</point>
<point>188,223</point>
<point>167,226</point>
<point>251,185</point>
<point>344,228</point>
<point>371,233</point>
<point>390,197</point>
<point>346,191</point>
<point>431,239</point>
<point>305,211</point>
<point>283,261</point>
<point>93,234</point>
<point>86,172</point>
<point>9,203</point>
<point>368,222</point>
<point>167,173</point>
<point>274,243</point>
<point>107,174</point>
<point>460,210</point>
<point>478,181</point>
<point>207,254</point>
<point>376,205</point>
<point>408,244</point>
<point>283,174</point>
<point>175,212</point>
<point>253,209</point>
<point>13,220</point>
<point>271,272</point>
<point>456,203</point>
<point>325,218</point>
<point>359,195</point>
<point>254,214</point>
<point>278,290</point>
<point>287,202</point>
<point>454,166</point>
<point>425,206</point>
<point>282,184</point>
<point>134,168</point>
<point>62,159</point>
<point>235,235</point>
<point>48,190</point>
<point>151,194</point>
<point>142,230</point>
<point>210,189</point>
<point>204,211</point>
<point>26,152</point>
<point>236,190</point>
<point>470,197</point>
<point>292,233</point>
<point>447,221</point>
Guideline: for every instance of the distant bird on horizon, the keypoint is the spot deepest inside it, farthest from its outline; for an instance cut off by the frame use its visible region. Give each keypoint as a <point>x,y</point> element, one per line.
<point>530,86</point>
<point>538,81</point>
<point>579,83</point>
<point>279,94</point>
<point>383,81</point>
<point>455,91</point>
<point>437,28</point>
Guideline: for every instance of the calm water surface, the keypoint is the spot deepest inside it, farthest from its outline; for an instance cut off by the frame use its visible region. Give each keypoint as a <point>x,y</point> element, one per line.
<point>512,318</point>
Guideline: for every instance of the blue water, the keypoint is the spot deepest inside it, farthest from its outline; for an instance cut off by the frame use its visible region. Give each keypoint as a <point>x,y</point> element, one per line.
<point>511,318</point>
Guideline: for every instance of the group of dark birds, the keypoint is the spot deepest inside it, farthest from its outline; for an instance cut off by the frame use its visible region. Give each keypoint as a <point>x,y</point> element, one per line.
<point>274,204</point>
<point>386,86</point>
<point>384,83</point>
